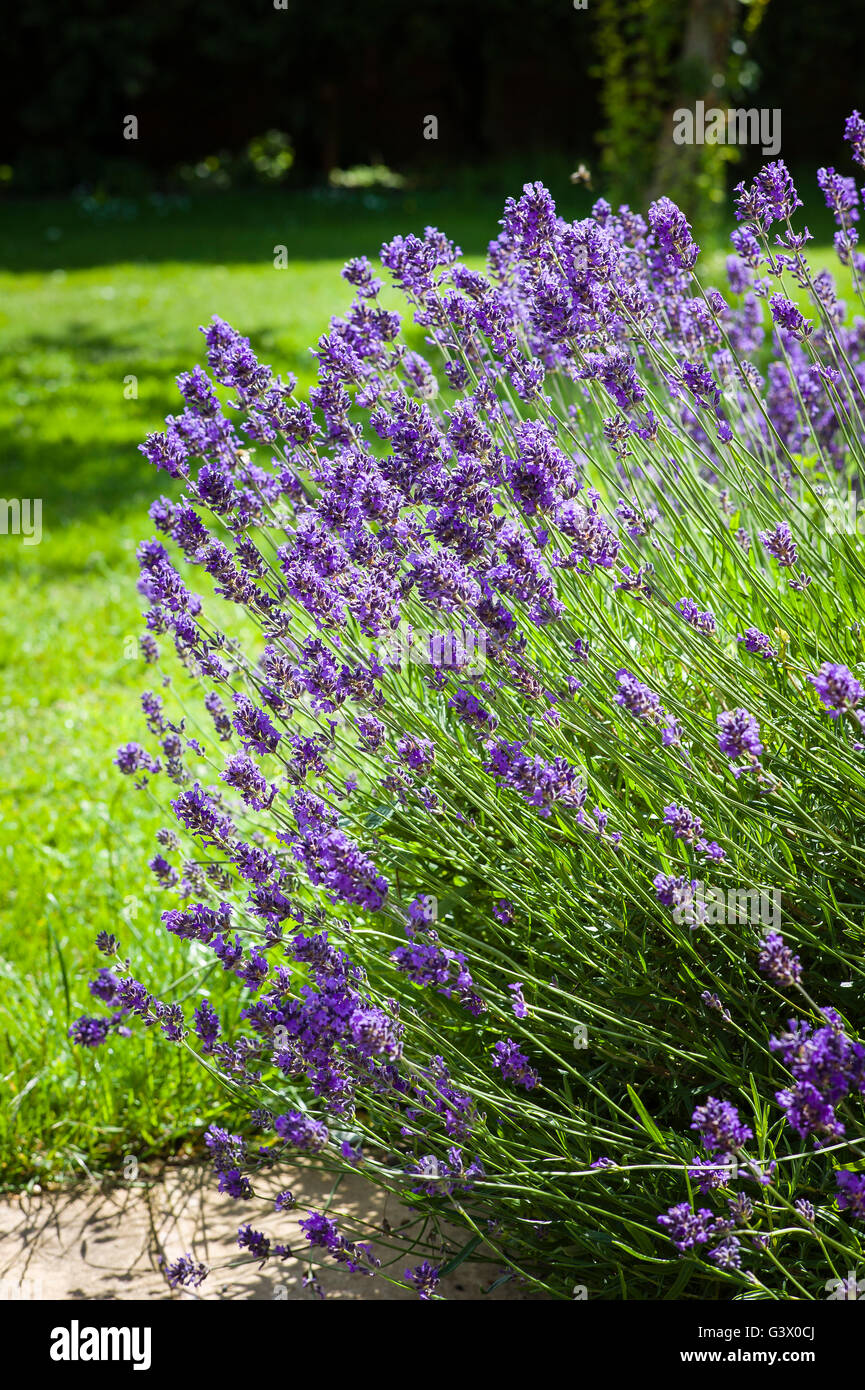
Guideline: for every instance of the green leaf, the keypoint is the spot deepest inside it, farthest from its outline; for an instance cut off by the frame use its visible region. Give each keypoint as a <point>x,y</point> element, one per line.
<point>457,1260</point>
<point>648,1123</point>
<point>377,816</point>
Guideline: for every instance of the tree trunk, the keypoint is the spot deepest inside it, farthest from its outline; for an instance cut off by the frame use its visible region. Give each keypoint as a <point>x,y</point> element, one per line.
<point>705,51</point>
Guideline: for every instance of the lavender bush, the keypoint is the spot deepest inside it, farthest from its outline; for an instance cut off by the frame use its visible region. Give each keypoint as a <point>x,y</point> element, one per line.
<point>517,761</point>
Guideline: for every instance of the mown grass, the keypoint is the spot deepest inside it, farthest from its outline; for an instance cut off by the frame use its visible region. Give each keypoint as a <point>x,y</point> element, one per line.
<point>87,305</point>
<point>90,308</point>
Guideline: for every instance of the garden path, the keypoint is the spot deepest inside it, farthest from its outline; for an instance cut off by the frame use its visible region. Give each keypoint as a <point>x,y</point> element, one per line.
<point>100,1242</point>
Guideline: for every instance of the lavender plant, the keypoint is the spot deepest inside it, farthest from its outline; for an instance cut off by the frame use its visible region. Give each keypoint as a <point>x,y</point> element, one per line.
<point>514,767</point>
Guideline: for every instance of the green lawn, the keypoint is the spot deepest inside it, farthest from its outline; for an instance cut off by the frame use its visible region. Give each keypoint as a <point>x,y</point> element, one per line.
<point>86,304</point>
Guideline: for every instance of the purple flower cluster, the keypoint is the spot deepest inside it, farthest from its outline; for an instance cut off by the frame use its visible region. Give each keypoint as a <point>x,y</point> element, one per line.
<point>719,1126</point>
<point>837,687</point>
<point>185,1272</point>
<point>331,858</point>
<point>777,961</point>
<point>424,1278</point>
<point>851,1193</point>
<point>322,1233</point>
<point>686,826</point>
<point>644,704</point>
<point>585,352</point>
<point>827,1066</point>
<point>704,621</point>
<point>542,784</point>
<point>687,1229</point>
<point>739,737</point>
<point>514,1065</point>
<point>428,963</point>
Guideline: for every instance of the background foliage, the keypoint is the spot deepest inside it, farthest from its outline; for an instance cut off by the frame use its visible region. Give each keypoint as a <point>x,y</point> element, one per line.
<point>351,83</point>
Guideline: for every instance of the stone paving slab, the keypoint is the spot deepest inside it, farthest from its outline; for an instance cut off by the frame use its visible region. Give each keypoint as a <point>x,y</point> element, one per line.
<point>91,1243</point>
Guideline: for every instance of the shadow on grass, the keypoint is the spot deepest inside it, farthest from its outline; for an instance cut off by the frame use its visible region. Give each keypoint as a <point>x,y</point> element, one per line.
<point>47,234</point>
<point>74,438</point>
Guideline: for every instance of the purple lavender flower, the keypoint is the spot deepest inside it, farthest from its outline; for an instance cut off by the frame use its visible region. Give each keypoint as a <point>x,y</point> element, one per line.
<point>780,544</point>
<point>105,987</point>
<point>424,1278</point>
<point>254,726</point>
<point>242,773</point>
<point>216,709</point>
<point>719,1126</point>
<point>166,876</point>
<point>674,891</point>
<point>710,1174</point>
<point>89,1032</point>
<point>687,1228</point>
<point>841,194</point>
<point>593,542</point>
<point>201,815</point>
<point>232,360</point>
<point>133,758</point>
<point>541,784</point>
<point>713,1002</point>
<point>826,1065</point>
<point>371,731</point>
<point>470,711</point>
<point>428,963</point>
<point>301,1131</point>
<point>808,1112</point>
<point>320,1230</point>
<point>206,1025</point>
<point>757,643</point>
<point>771,198</point>
<point>359,272</point>
<point>777,961</point>
<point>727,1255</point>
<point>234,1184</point>
<point>166,451</point>
<point>676,248</point>
<point>702,621</point>
<point>518,1003</point>
<point>257,1244</point>
<point>636,697</point>
<point>837,687</point>
<point>417,753</point>
<point>739,737</point>
<point>541,474</point>
<point>332,859</point>
<point>851,1192</point>
<point>789,317</point>
<point>531,220</point>
<point>514,1065</point>
<point>185,1272</point>
<point>685,825</point>
<point>854,132</point>
<point>374,1034</point>
<point>750,253</point>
